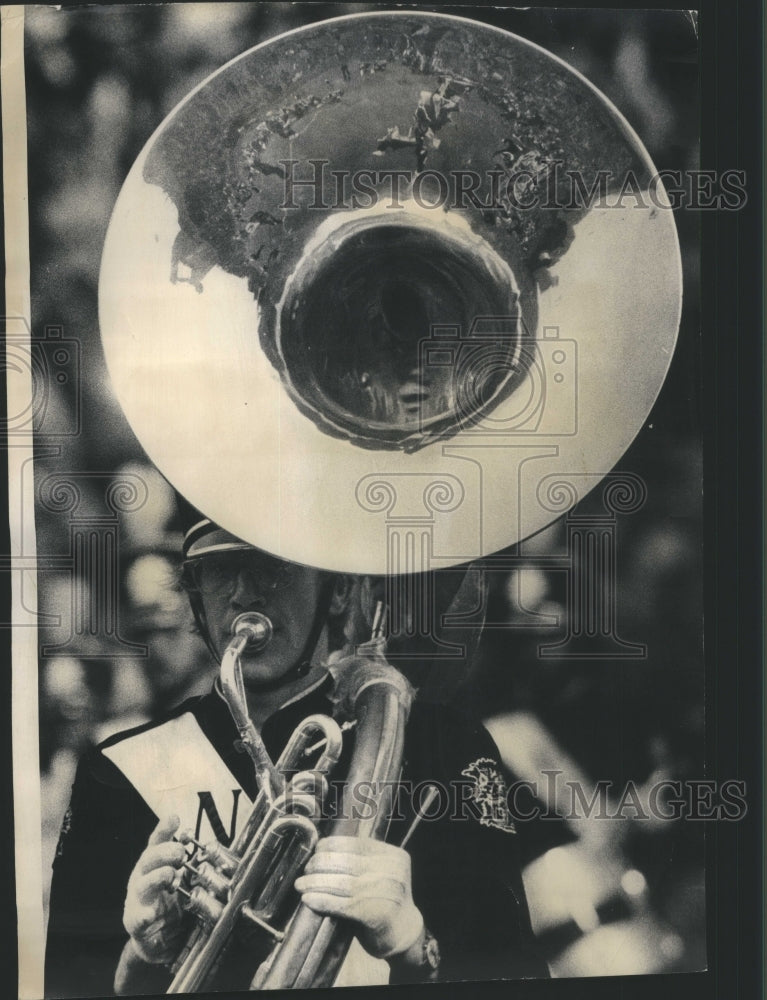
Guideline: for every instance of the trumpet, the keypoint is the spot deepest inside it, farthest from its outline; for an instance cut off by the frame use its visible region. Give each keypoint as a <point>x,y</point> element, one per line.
<point>252,881</point>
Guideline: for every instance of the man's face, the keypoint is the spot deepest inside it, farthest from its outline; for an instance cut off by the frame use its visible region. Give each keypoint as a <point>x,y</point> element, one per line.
<point>250,580</point>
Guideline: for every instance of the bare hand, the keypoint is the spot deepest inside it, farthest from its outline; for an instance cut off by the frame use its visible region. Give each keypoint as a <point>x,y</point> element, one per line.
<point>369,883</point>
<point>153,914</point>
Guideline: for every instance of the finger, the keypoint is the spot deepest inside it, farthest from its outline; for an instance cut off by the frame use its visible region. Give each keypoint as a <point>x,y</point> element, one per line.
<point>155,939</point>
<point>164,830</point>
<point>350,845</point>
<point>326,906</point>
<point>394,861</point>
<point>137,919</point>
<point>364,846</point>
<point>143,920</point>
<point>168,853</point>
<point>334,863</point>
<point>331,885</point>
<point>163,939</point>
<point>149,887</point>
<point>363,887</point>
<point>344,864</point>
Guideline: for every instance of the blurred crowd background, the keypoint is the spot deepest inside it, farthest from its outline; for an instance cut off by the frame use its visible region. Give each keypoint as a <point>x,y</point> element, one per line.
<point>607,898</point>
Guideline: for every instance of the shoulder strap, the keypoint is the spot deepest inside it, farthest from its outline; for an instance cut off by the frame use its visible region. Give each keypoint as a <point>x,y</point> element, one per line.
<point>176,769</point>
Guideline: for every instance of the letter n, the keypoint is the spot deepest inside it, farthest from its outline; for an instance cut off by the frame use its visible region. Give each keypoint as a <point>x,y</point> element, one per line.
<point>208,808</point>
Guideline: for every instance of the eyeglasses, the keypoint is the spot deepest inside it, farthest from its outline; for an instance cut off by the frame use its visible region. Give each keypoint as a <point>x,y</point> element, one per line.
<point>220,573</point>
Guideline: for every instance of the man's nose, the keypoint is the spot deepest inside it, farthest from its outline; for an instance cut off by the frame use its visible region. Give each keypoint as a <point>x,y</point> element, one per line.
<point>248,592</point>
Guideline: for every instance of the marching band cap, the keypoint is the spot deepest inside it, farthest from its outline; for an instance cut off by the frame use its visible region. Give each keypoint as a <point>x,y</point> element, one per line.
<point>202,536</point>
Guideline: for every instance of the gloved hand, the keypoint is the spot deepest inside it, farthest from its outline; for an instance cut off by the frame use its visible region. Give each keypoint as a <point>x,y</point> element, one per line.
<point>153,914</point>
<point>369,883</point>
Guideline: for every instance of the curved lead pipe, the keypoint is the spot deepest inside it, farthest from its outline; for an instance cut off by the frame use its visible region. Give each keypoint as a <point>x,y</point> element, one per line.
<point>253,630</point>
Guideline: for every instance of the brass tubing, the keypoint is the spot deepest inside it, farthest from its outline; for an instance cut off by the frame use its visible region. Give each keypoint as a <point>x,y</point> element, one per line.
<point>313,942</point>
<point>191,978</point>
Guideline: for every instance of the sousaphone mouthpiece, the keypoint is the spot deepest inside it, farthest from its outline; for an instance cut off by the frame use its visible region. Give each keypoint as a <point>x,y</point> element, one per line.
<point>256,627</point>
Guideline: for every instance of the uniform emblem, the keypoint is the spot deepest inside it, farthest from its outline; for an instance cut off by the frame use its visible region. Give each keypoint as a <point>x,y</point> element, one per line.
<point>489,792</point>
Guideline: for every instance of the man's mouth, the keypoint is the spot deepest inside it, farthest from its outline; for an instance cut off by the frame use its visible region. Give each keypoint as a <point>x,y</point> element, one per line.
<point>276,629</point>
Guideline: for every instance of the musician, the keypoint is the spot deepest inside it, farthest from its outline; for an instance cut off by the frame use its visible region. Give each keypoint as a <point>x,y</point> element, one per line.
<point>449,906</point>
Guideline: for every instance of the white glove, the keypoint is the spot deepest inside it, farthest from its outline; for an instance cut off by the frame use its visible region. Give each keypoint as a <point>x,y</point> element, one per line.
<point>369,883</point>
<point>153,914</point>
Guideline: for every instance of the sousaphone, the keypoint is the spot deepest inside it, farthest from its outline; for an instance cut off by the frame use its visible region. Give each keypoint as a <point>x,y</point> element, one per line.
<point>383,295</point>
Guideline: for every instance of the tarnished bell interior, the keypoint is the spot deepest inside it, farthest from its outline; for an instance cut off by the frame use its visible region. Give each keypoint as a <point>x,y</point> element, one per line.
<point>352,330</point>
<point>284,319</point>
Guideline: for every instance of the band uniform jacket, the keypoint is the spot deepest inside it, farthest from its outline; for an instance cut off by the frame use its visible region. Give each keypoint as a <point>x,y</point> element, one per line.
<point>465,868</point>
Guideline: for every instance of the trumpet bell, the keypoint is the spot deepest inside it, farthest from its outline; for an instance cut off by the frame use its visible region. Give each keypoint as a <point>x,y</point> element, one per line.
<point>347,288</point>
